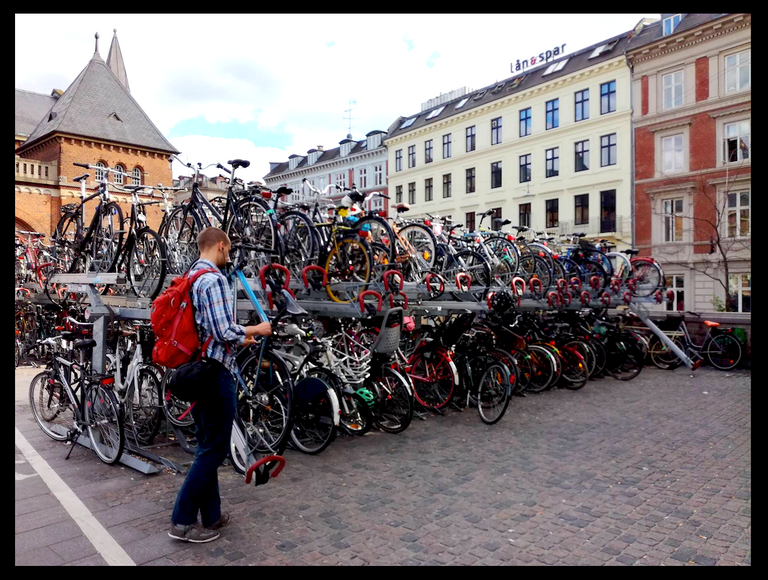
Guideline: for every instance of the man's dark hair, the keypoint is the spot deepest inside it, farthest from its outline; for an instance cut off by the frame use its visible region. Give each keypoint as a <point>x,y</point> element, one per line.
<point>209,237</point>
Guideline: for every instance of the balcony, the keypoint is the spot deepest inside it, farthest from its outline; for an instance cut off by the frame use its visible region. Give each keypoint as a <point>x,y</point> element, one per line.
<point>43,172</point>
<point>620,228</point>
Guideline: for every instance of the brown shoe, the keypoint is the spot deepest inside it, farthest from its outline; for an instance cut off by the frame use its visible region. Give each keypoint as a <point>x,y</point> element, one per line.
<point>223,521</point>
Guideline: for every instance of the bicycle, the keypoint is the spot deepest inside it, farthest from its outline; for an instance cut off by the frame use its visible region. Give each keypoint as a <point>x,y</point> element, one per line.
<point>68,399</point>
<point>34,263</point>
<point>720,347</point>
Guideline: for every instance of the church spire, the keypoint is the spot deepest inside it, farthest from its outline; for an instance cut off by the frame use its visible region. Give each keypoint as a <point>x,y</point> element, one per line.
<point>115,62</point>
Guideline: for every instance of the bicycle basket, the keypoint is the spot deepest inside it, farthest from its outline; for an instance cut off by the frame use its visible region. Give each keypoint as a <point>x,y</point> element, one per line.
<point>671,322</point>
<point>388,340</point>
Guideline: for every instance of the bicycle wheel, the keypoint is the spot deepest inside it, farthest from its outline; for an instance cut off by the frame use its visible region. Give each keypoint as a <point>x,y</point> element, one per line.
<point>313,428</point>
<point>662,356</point>
<point>493,393</point>
<point>143,410</point>
<point>648,276</point>
<point>146,265</point>
<point>348,267</point>
<point>174,408</point>
<point>105,424</point>
<point>506,250</point>
<point>374,229</point>
<point>65,237</point>
<point>575,371</point>
<point>419,257</point>
<point>252,223</point>
<point>393,401</point>
<point>591,268</point>
<point>268,411</point>
<point>299,241</point>
<point>625,358</point>
<point>180,237</point>
<point>51,406</point>
<point>544,369</point>
<point>724,352</point>
<point>472,263</point>
<point>433,379</point>
<point>585,350</point>
<point>107,240</point>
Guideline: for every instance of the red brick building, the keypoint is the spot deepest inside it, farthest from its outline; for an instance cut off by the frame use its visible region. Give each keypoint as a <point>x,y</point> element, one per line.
<point>94,121</point>
<point>691,82</point>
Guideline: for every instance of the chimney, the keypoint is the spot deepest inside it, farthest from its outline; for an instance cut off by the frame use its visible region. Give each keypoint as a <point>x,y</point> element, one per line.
<point>320,148</point>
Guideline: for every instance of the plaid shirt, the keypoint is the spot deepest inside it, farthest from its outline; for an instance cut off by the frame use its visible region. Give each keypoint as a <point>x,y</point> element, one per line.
<point>212,299</point>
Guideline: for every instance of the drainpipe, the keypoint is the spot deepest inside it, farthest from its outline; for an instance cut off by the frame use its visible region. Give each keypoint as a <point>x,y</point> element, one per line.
<point>632,148</point>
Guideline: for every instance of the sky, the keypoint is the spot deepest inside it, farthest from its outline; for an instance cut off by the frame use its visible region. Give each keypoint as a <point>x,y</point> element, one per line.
<point>262,87</point>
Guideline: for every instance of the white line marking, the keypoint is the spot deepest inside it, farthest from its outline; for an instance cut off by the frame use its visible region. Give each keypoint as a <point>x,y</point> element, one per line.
<point>22,477</point>
<point>105,544</point>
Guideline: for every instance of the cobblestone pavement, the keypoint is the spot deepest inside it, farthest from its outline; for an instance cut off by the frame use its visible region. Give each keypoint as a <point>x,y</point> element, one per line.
<point>654,471</point>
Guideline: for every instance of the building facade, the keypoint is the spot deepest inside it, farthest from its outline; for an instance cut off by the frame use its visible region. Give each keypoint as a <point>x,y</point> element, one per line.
<point>94,121</point>
<point>359,163</point>
<point>691,78</point>
<point>549,148</point>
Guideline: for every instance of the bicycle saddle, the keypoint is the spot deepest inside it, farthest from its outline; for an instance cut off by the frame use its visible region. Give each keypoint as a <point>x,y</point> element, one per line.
<point>82,344</point>
<point>521,228</point>
<point>235,163</point>
<point>401,207</point>
<point>630,252</point>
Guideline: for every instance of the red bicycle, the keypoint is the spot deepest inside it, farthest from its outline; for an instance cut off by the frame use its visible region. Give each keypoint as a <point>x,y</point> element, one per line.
<point>34,263</point>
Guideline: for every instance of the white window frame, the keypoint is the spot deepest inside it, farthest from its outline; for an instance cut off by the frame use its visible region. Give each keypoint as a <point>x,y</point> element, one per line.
<point>736,68</point>
<point>673,22</point>
<point>739,287</point>
<point>136,176</point>
<point>736,211</point>
<point>99,172</point>
<point>118,177</point>
<point>740,140</point>
<point>678,285</point>
<point>363,177</point>
<point>340,179</point>
<point>672,153</point>
<point>669,219</point>
<point>378,173</point>
<point>673,87</point>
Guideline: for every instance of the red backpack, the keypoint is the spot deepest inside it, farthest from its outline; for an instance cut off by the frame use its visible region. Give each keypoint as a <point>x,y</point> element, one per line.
<point>173,322</point>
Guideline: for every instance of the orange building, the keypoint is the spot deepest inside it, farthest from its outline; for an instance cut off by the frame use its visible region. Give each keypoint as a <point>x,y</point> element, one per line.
<point>94,121</point>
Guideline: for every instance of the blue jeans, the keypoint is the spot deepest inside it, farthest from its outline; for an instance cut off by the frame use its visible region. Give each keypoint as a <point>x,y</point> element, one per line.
<point>213,417</point>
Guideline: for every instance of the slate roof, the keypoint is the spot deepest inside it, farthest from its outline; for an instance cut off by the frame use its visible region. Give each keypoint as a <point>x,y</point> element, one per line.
<point>91,107</point>
<point>30,108</point>
<point>653,32</point>
<point>328,155</point>
<point>532,77</point>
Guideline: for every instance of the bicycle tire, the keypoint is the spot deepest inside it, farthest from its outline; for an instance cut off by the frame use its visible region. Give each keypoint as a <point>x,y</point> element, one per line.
<point>544,369</point>
<point>424,243</point>
<point>727,352</point>
<point>662,356</point>
<point>51,407</point>
<point>438,392</point>
<point>648,276</point>
<point>493,388</point>
<point>253,223</point>
<point>174,408</point>
<point>341,265</point>
<point>575,371</point>
<point>313,417</point>
<point>625,358</point>
<point>381,233</point>
<point>104,407</point>
<point>143,411</point>
<point>147,264</point>
<point>472,263</point>
<point>393,401</point>
<point>299,240</point>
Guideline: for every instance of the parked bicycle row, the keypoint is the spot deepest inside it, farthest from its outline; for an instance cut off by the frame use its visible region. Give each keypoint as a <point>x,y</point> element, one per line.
<point>342,249</point>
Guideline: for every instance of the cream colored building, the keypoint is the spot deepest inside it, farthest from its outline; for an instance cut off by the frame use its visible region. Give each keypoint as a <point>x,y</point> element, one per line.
<point>483,147</point>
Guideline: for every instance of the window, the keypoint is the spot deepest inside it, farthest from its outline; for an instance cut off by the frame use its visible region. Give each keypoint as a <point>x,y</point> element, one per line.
<point>552,213</point>
<point>447,185</point>
<point>608,211</point>
<point>739,215</point>
<point>553,114</point>
<point>607,97</point>
<point>496,131</point>
<point>412,193</point>
<point>494,216</point>
<point>17,167</point>
<point>671,23</point>
<point>428,151</point>
<point>341,179</point>
<point>46,171</point>
<point>99,173</point>
<point>582,105</point>
<point>673,220</point>
<point>436,112</point>
<point>471,180</point>
<point>470,138</point>
<point>496,175</point>
<point>25,169</point>
<point>738,71</point>
<point>136,176</point>
<point>581,209</point>
<point>378,174</point>
<point>672,87</point>
<point>737,141</point>
<point>525,122</point>
<point>428,189</point>
<point>399,160</point>
<point>462,102</point>
<point>552,162</point>
<point>446,146</point>
<point>676,283</point>
<point>740,292</point>
<point>469,221</point>
<point>582,155</point>
<point>399,194</point>
<point>119,176</point>
<point>516,82</point>
<point>363,178</point>
<point>412,156</point>
<point>672,154</point>
<point>407,122</point>
<point>525,214</point>
<point>603,49</point>
<point>608,150</point>
<point>554,67</point>
<point>525,168</point>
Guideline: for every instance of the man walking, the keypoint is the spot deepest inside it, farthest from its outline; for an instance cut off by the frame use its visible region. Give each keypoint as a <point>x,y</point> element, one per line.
<point>215,411</point>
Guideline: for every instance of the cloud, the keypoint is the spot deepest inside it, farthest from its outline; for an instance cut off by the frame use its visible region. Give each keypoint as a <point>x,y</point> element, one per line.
<point>409,42</point>
<point>432,58</point>
<point>329,44</point>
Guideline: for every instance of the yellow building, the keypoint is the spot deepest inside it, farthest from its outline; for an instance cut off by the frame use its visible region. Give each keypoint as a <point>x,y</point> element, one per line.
<point>549,148</point>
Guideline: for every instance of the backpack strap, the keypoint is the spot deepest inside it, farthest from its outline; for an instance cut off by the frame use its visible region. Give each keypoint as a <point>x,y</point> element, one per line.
<point>194,278</point>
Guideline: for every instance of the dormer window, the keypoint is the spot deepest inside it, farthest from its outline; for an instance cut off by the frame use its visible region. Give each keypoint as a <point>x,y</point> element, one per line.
<point>603,49</point>
<point>408,122</point>
<point>671,23</point>
<point>497,88</point>
<point>462,102</point>
<point>436,112</point>
<point>554,67</point>
<point>479,95</point>
<point>516,82</point>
